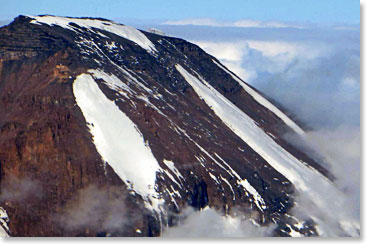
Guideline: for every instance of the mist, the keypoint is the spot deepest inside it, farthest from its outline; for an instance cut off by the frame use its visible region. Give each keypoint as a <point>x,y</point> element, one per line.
<point>94,208</point>
<point>20,189</point>
<point>313,71</point>
<point>338,150</point>
<point>211,223</point>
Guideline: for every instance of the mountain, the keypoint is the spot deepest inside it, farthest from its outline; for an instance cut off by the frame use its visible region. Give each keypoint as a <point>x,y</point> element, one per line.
<point>106,130</point>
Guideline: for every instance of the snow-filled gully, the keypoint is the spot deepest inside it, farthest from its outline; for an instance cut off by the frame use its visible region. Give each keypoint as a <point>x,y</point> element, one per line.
<point>117,139</point>
<point>261,100</point>
<point>301,176</point>
<point>124,31</point>
<point>120,143</point>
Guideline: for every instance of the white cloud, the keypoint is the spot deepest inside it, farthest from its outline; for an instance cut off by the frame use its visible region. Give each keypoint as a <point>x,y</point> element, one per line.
<point>240,23</point>
<point>347,27</point>
<point>210,223</point>
<point>349,82</point>
<point>230,54</point>
<point>263,24</point>
<point>290,49</point>
<point>250,23</point>
<point>247,58</point>
<point>202,21</point>
<point>340,150</point>
<point>232,51</point>
<point>237,68</point>
<point>315,74</point>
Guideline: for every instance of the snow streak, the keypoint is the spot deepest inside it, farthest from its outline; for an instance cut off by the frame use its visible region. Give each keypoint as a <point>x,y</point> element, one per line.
<point>261,100</point>
<point>117,139</point>
<point>124,31</point>
<point>301,176</point>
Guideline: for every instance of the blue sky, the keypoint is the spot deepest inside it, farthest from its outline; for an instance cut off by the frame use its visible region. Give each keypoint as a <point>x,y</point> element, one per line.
<point>324,11</point>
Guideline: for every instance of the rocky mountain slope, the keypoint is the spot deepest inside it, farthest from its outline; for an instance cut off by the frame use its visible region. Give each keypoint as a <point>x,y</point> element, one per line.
<point>106,130</point>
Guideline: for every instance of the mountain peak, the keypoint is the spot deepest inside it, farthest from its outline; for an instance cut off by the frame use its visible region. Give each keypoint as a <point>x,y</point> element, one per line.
<point>74,24</point>
<point>92,109</point>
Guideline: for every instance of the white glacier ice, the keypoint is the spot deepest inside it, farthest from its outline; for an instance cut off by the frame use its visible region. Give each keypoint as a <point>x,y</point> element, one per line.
<point>124,31</point>
<point>305,179</point>
<point>117,139</point>
<point>261,100</point>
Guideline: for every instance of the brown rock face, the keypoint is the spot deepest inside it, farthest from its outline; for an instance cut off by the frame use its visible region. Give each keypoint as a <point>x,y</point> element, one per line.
<point>45,144</point>
<point>55,183</point>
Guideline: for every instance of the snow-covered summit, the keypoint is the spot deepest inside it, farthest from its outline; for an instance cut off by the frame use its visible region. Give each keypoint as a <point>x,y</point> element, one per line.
<point>124,31</point>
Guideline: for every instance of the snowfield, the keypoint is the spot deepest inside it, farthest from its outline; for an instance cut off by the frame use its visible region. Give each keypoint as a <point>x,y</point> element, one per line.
<point>117,139</point>
<point>261,100</point>
<point>124,31</point>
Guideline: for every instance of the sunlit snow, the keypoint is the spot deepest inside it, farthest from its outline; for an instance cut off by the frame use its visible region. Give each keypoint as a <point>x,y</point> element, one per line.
<point>241,124</point>
<point>261,100</point>
<point>117,139</point>
<point>124,31</point>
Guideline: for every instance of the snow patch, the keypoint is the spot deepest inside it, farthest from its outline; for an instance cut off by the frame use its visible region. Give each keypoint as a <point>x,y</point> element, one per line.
<point>112,82</point>
<point>242,125</point>
<point>124,31</point>
<point>230,187</point>
<point>293,232</point>
<point>4,219</point>
<point>260,99</point>
<point>259,201</point>
<point>117,139</point>
<point>214,178</point>
<point>111,45</point>
<point>171,177</point>
<point>261,205</point>
<point>156,31</point>
<point>172,167</point>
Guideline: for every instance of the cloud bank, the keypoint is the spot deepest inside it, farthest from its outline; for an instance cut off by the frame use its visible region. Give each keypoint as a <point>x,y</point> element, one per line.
<point>313,72</point>
<point>96,209</point>
<point>210,223</point>
<point>338,149</point>
<point>312,77</point>
<point>239,23</point>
